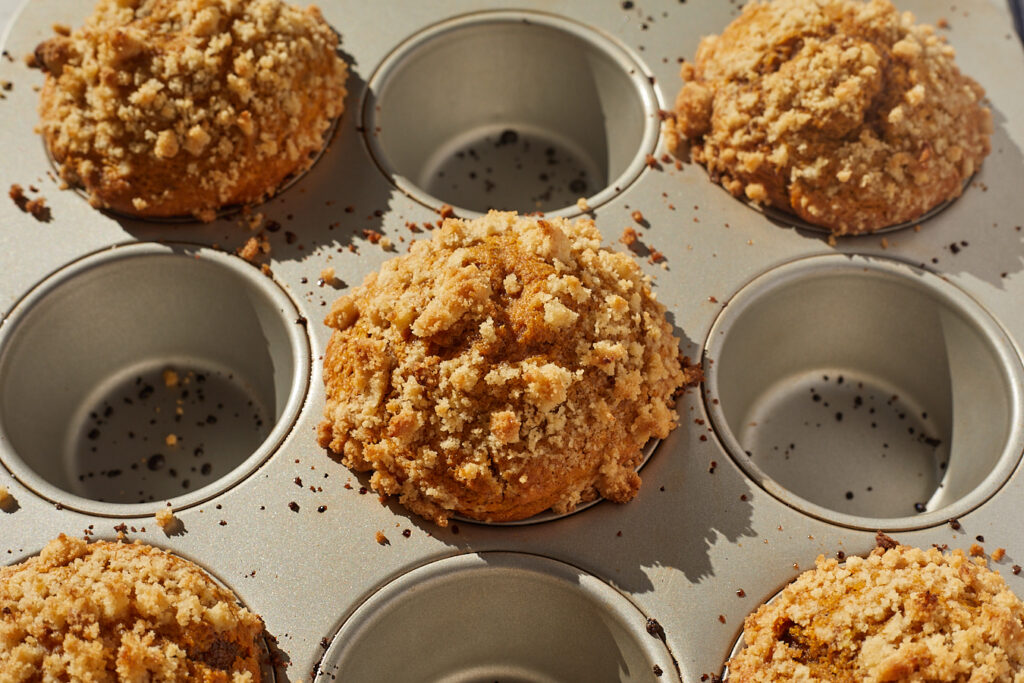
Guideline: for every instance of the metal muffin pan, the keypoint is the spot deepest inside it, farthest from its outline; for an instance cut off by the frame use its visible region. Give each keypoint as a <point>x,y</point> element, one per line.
<point>931,316</point>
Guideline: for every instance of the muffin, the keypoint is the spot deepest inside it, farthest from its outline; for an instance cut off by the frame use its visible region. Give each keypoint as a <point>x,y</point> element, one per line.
<point>899,614</point>
<point>505,366</point>
<point>121,612</point>
<point>841,112</point>
<point>177,107</point>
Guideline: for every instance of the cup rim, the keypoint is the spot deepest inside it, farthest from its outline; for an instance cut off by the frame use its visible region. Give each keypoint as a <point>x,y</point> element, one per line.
<point>1005,353</point>
<point>632,66</point>
<point>270,290</point>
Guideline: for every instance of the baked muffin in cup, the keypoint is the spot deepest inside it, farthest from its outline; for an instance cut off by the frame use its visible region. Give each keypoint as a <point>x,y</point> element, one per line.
<point>844,113</point>
<point>107,611</point>
<point>505,366</point>
<point>164,108</point>
<point>901,613</point>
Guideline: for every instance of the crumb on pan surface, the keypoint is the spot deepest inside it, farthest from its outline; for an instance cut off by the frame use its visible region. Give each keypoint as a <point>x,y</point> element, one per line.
<point>505,366</point>
<point>164,518</point>
<point>842,112</point>
<point>105,612</point>
<point>171,107</point>
<point>899,614</point>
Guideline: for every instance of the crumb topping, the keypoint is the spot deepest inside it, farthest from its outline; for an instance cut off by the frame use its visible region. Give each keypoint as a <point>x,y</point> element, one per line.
<point>164,107</point>
<point>843,112</point>
<point>900,614</point>
<point>164,518</point>
<point>121,612</point>
<point>505,366</point>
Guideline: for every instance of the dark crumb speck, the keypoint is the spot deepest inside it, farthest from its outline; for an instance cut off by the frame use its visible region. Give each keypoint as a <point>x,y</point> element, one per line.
<point>508,137</point>
<point>920,507</point>
<point>322,508</point>
<point>885,541</point>
<point>657,670</point>
<point>849,495</point>
<point>655,629</point>
<point>1015,569</point>
<point>840,555</point>
<point>293,506</point>
<point>955,524</point>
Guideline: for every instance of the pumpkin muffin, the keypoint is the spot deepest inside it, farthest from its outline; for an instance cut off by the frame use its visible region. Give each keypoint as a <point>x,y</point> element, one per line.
<point>505,366</point>
<point>176,107</point>
<point>844,113</point>
<point>899,614</point>
<point>106,612</point>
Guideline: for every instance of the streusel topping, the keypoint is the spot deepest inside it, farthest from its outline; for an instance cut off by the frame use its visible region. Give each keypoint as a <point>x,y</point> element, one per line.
<point>899,614</point>
<point>505,366</point>
<point>161,107</point>
<point>106,612</point>
<point>846,113</point>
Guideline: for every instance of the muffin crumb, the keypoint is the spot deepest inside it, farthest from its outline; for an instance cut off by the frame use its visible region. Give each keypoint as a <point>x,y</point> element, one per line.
<point>165,518</point>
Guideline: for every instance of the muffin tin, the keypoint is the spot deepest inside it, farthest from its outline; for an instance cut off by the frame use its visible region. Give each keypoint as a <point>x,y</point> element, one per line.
<point>876,383</point>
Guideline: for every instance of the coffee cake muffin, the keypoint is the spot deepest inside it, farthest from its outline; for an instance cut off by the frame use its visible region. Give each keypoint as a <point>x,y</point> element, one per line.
<point>899,614</point>
<point>121,612</point>
<point>177,107</point>
<point>842,112</point>
<point>505,366</point>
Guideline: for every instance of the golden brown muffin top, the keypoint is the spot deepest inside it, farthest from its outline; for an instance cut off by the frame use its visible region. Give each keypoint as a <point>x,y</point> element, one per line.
<point>155,104</point>
<point>898,614</point>
<point>842,112</point>
<point>106,612</point>
<point>505,366</point>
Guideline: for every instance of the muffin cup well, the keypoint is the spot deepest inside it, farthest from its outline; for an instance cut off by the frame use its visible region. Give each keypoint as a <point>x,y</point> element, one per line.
<point>496,616</point>
<point>865,392</point>
<point>510,110</point>
<point>148,373</point>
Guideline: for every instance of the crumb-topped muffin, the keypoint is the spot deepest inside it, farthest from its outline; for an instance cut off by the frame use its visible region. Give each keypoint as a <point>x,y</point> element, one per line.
<point>505,366</point>
<point>121,612</point>
<point>842,112</point>
<point>898,614</point>
<point>176,107</point>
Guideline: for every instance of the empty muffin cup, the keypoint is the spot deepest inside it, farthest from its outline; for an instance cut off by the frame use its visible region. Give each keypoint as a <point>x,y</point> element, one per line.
<point>148,373</point>
<point>865,392</point>
<point>497,616</point>
<point>510,110</point>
